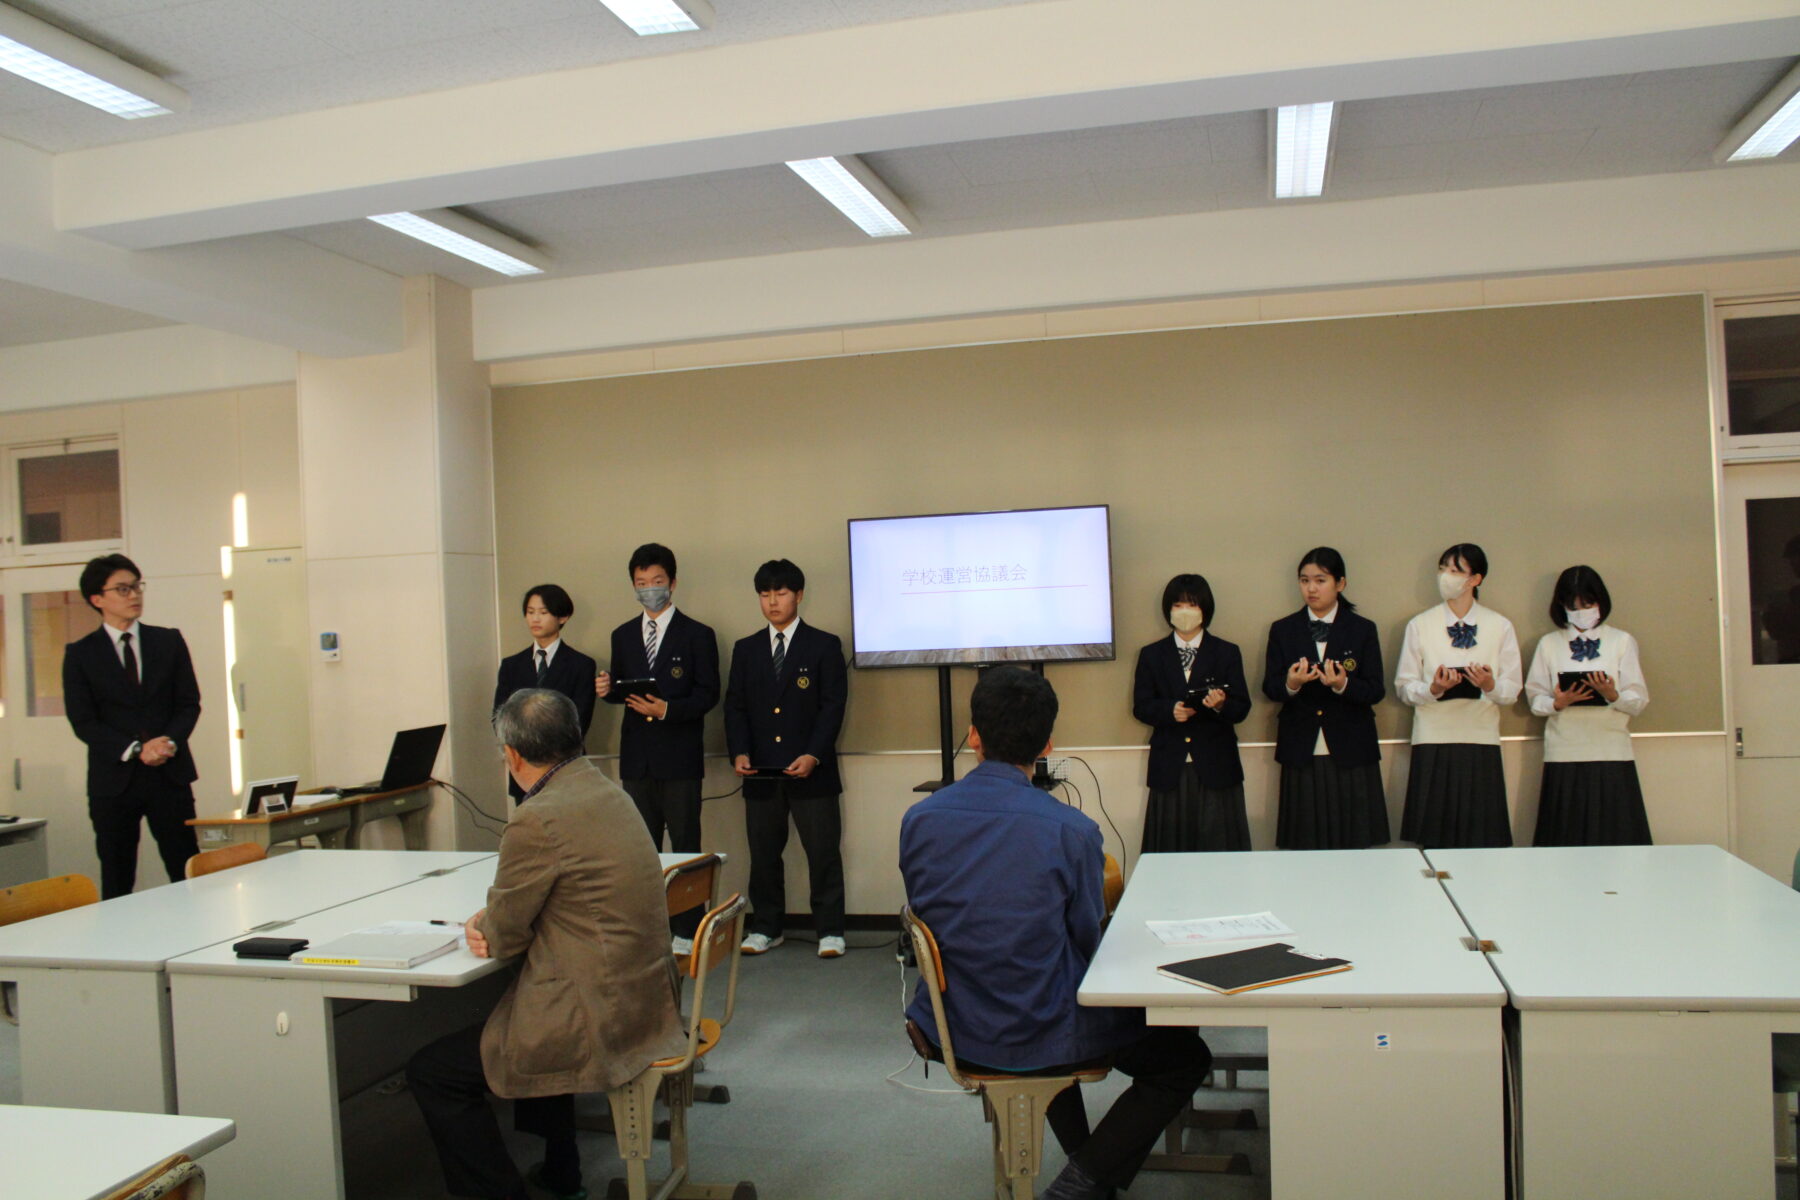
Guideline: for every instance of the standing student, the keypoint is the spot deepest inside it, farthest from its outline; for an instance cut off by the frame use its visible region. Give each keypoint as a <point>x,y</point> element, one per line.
<point>661,752</point>
<point>784,706</point>
<point>130,694</point>
<point>548,662</point>
<point>1459,666</point>
<point>1323,667</point>
<point>1190,690</point>
<point>1586,679</point>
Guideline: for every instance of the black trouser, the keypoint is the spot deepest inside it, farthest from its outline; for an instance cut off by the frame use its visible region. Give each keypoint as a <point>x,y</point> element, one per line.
<point>1166,1066</point>
<point>149,796</point>
<point>672,804</point>
<point>821,830</point>
<point>452,1091</point>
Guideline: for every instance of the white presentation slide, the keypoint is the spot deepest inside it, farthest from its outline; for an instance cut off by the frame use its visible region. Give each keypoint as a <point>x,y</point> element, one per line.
<point>1027,586</point>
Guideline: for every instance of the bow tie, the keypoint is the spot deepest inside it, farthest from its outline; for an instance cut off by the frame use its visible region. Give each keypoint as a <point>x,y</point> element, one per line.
<point>1462,636</point>
<point>1321,630</point>
<point>1585,649</point>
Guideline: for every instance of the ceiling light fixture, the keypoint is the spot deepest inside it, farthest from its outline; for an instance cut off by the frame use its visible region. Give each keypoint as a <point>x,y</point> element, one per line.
<point>650,17</point>
<point>858,193</point>
<point>1767,129</point>
<point>1300,148</point>
<point>467,238</point>
<point>57,59</point>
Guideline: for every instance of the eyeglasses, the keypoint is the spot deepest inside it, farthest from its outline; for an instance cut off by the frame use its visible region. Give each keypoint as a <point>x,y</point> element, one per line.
<point>122,590</point>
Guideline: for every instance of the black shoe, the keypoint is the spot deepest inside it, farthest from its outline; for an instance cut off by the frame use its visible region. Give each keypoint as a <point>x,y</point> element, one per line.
<point>535,1177</point>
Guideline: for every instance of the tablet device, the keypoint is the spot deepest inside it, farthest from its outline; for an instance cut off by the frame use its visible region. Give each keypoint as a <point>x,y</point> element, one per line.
<point>270,796</point>
<point>622,688</point>
<point>768,772</point>
<point>1462,691</point>
<point>1568,679</point>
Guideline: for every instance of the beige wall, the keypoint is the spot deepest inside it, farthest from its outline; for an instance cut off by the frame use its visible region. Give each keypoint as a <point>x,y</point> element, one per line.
<point>1551,435</point>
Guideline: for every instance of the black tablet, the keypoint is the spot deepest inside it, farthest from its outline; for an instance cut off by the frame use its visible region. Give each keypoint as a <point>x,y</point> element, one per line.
<point>621,688</point>
<point>1566,680</point>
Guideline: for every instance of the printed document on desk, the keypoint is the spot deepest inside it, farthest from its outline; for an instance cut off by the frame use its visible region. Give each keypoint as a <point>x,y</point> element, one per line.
<point>393,945</point>
<point>1241,928</point>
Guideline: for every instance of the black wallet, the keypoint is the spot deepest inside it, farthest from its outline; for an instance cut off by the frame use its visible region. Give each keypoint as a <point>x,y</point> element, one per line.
<point>269,947</point>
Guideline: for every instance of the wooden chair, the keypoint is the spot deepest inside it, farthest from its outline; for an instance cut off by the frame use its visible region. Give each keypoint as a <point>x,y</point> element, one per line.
<point>40,897</point>
<point>689,885</point>
<point>1013,1104</point>
<point>224,858</point>
<point>634,1103</point>
<point>178,1178</point>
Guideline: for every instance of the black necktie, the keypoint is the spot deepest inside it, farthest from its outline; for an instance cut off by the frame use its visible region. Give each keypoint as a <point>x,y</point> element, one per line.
<point>131,667</point>
<point>543,666</point>
<point>1321,631</point>
<point>780,652</point>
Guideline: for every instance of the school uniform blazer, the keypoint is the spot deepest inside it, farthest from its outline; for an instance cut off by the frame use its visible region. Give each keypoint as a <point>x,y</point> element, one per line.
<point>775,721</point>
<point>571,673</point>
<point>578,897</point>
<point>1207,738</point>
<point>1348,720</point>
<point>687,675</point>
<point>109,712</point>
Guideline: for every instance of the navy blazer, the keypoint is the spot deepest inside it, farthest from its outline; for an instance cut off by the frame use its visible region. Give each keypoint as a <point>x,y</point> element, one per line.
<point>687,675</point>
<point>571,673</point>
<point>1207,738</point>
<point>775,721</point>
<point>1349,719</point>
<point>109,712</point>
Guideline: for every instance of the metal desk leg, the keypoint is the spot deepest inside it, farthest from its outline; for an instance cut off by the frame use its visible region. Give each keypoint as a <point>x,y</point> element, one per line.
<point>412,827</point>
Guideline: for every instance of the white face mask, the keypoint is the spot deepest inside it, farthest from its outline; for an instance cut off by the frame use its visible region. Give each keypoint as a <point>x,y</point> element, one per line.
<point>1451,584</point>
<point>1185,619</point>
<point>1583,619</point>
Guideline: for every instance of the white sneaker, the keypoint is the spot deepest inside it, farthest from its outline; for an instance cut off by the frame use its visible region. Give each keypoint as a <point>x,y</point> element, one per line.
<point>760,943</point>
<point>831,947</point>
<point>681,947</point>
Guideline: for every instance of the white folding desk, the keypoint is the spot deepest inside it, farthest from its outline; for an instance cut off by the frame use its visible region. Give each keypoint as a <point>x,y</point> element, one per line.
<point>24,851</point>
<point>1649,981</point>
<point>94,1026</point>
<point>1385,1080</point>
<point>255,1037</point>
<point>85,1154</point>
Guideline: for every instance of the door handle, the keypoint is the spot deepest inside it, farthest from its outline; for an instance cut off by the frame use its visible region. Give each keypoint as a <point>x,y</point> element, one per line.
<point>18,776</point>
<point>1740,741</point>
<point>240,691</point>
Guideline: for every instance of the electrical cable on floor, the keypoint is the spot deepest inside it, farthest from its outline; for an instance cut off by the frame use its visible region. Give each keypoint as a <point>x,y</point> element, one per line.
<point>916,1058</point>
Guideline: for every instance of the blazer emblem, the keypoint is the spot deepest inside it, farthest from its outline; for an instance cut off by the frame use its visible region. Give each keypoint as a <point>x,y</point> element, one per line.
<point>1349,664</point>
<point>675,672</point>
<point>803,682</point>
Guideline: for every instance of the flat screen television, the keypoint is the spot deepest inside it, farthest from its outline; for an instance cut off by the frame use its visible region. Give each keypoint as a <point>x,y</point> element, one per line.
<point>1030,585</point>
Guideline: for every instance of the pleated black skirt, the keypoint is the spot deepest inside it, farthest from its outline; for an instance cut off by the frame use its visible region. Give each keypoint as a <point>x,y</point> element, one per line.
<point>1328,807</point>
<point>1456,797</point>
<point>1591,804</point>
<point>1195,818</point>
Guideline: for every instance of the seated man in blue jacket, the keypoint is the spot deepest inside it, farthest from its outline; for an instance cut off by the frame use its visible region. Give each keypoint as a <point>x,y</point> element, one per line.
<point>1009,880</point>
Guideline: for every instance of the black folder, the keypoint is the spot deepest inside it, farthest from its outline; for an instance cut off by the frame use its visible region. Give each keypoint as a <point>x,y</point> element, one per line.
<point>1568,679</point>
<point>1258,967</point>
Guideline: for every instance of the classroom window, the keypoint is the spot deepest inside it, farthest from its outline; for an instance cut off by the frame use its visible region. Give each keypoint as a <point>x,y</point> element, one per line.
<point>52,621</point>
<point>1772,527</point>
<point>1762,374</point>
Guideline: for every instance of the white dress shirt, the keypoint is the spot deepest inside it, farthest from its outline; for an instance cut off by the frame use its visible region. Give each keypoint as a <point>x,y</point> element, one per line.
<point>549,653</point>
<point>662,620</point>
<point>788,640</point>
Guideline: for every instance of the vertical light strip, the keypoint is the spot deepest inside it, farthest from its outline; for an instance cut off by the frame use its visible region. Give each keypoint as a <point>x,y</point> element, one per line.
<point>1302,148</point>
<point>240,520</point>
<point>56,59</point>
<point>233,719</point>
<point>467,238</point>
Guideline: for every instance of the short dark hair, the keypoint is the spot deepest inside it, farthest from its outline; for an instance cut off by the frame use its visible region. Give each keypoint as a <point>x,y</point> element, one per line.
<point>1328,561</point>
<point>1195,590</point>
<point>1469,555</point>
<point>552,597</point>
<point>1014,711</point>
<point>540,725</point>
<point>1578,583</point>
<point>99,570</point>
<point>652,554</point>
<point>779,573</point>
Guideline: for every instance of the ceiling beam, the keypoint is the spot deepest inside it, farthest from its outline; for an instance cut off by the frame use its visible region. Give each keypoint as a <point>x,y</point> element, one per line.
<point>269,288</point>
<point>1031,68</point>
<point>1693,216</point>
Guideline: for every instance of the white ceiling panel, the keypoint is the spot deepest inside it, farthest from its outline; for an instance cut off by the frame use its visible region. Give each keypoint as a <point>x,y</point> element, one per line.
<point>29,314</point>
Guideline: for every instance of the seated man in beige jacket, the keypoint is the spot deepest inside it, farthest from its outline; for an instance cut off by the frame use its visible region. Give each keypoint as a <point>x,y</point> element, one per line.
<point>578,899</point>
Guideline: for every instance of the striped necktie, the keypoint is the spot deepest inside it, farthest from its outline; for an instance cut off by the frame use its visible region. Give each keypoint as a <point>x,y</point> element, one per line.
<point>543,666</point>
<point>650,643</point>
<point>780,652</point>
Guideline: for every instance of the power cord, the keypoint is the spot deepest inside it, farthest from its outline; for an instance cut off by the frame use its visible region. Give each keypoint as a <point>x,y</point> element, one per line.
<point>1100,799</point>
<point>476,812</point>
<point>893,1076</point>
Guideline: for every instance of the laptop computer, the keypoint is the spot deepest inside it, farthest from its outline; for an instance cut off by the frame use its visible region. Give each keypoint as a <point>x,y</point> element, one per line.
<point>409,763</point>
<point>270,795</point>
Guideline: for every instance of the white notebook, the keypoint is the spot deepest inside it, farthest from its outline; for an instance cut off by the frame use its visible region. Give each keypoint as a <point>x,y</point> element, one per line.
<point>380,947</point>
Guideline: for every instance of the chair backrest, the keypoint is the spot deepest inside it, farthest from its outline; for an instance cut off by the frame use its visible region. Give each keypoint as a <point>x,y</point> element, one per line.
<point>931,970</point>
<point>1797,870</point>
<point>23,901</point>
<point>716,944</point>
<point>177,1178</point>
<point>224,858</point>
<point>691,884</point>
<point>1112,884</point>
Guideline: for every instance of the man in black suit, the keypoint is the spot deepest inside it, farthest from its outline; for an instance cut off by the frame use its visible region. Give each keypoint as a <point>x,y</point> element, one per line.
<point>548,662</point>
<point>661,752</point>
<point>130,694</point>
<point>783,709</point>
